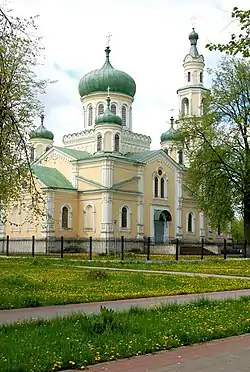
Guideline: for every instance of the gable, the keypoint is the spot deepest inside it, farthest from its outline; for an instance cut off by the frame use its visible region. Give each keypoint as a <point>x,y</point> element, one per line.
<point>86,184</point>
<point>130,184</point>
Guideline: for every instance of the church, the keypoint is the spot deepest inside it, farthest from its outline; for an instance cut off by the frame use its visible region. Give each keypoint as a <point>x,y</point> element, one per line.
<point>105,181</point>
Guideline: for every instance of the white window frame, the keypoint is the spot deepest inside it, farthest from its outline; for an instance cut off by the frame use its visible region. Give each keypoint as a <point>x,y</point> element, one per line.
<point>69,217</point>
<point>129,217</point>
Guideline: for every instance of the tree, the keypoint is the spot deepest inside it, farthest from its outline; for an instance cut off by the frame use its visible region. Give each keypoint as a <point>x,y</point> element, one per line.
<point>218,147</point>
<point>20,90</point>
<point>237,230</point>
<point>238,43</point>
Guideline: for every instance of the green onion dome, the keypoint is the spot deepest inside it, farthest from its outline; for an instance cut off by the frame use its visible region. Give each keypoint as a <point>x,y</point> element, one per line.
<point>172,134</point>
<point>99,80</point>
<point>108,117</point>
<point>42,132</point>
<point>193,37</point>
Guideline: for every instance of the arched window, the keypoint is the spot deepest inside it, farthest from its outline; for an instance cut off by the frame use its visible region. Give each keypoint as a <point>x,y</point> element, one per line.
<point>185,106</point>
<point>124,115</point>
<point>100,109</point>
<point>162,188</point>
<point>99,142</point>
<point>124,218</point>
<point>65,217</point>
<point>189,76</point>
<point>180,157</point>
<point>32,154</point>
<point>156,187</point>
<point>190,223</point>
<point>113,108</point>
<point>90,115</point>
<point>117,142</point>
<point>201,77</point>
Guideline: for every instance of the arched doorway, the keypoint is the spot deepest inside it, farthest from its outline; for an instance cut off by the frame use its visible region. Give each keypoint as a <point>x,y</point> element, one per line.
<point>161,226</point>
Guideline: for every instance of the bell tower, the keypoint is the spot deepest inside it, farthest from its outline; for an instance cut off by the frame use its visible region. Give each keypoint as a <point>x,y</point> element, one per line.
<point>191,95</point>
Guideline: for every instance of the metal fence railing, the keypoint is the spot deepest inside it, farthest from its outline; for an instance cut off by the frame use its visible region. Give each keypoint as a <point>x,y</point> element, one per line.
<point>123,248</point>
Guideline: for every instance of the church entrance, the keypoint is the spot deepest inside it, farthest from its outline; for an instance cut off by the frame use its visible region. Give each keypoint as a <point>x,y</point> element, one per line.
<point>161,226</point>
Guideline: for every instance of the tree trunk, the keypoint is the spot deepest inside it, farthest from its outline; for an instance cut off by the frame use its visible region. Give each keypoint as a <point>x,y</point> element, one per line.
<point>247,220</point>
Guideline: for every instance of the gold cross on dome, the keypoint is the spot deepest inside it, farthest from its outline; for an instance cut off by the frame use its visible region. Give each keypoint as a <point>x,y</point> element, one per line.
<point>108,37</point>
<point>108,90</point>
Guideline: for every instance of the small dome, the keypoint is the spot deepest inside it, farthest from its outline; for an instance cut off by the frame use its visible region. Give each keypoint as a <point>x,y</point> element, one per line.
<point>193,37</point>
<point>108,117</point>
<point>42,132</point>
<point>99,80</point>
<point>172,134</point>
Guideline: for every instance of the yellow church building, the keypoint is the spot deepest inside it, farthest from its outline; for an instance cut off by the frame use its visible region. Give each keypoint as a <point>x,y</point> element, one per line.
<point>105,181</point>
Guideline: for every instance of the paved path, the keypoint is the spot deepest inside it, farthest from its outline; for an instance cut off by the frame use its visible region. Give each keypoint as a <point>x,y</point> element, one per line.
<point>48,312</point>
<point>162,272</point>
<point>230,355</point>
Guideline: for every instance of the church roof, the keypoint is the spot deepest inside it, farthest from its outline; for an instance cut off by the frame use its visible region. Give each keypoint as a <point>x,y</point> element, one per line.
<point>99,80</point>
<point>77,154</point>
<point>41,132</point>
<point>108,117</point>
<point>52,178</point>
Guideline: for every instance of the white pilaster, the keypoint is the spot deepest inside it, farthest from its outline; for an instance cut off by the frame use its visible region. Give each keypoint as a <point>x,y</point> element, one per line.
<point>107,220</point>
<point>140,203</point>
<point>178,209</point>
<point>48,217</point>
<point>202,229</point>
<point>74,175</point>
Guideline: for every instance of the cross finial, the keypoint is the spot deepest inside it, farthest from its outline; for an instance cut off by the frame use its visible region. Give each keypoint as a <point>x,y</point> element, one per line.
<point>108,90</point>
<point>193,21</point>
<point>42,118</point>
<point>108,37</point>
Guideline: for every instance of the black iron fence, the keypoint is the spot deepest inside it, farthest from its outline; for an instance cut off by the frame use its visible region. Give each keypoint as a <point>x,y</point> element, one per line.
<point>122,248</point>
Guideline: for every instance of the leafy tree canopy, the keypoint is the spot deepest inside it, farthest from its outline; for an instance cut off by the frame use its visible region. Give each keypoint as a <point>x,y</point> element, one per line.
<point>239,43</point>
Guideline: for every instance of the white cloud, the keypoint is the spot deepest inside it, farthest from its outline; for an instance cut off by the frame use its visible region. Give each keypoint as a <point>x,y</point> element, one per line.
<point>149,41</point>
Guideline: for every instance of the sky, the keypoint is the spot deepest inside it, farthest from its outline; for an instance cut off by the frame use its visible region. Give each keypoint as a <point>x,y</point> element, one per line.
<point>149,41</point>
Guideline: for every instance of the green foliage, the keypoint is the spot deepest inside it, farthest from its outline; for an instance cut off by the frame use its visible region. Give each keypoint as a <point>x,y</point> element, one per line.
<point>25,285</point>
<point>237,230</point>
<point>217,144</point>
<point>78,341</point>
<point>239,43</point>
<point>20,91</point>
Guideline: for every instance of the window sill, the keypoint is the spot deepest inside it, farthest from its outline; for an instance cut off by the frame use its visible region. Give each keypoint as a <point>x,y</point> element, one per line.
<point>88,229</point>
<point>67,229</point>
<point>159,198</point>
<point>124,229</point>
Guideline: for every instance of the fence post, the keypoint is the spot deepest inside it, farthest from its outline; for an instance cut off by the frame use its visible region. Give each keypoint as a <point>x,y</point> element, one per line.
<point>90,248</point>
<point>202,248</point>
<point>177,249</point>
<point>7,245</point>
<point>33,245</point>
<point>245,249</point>
<point>122,248</point>
<point>148,249</point>
<point>61,246</point>
<point>225,249</point>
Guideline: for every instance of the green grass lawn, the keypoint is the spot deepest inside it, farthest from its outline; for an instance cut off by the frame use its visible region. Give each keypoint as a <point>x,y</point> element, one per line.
<point>79,341</point>
<point>28,282</point>
<point>240,267</point>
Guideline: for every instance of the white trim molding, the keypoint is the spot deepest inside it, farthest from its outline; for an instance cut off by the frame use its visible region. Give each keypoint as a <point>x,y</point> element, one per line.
<point>129,218</point>
<point>193,222</point>
<point>16,218</point>
<point>70,213</point>
<point>85,217</point>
